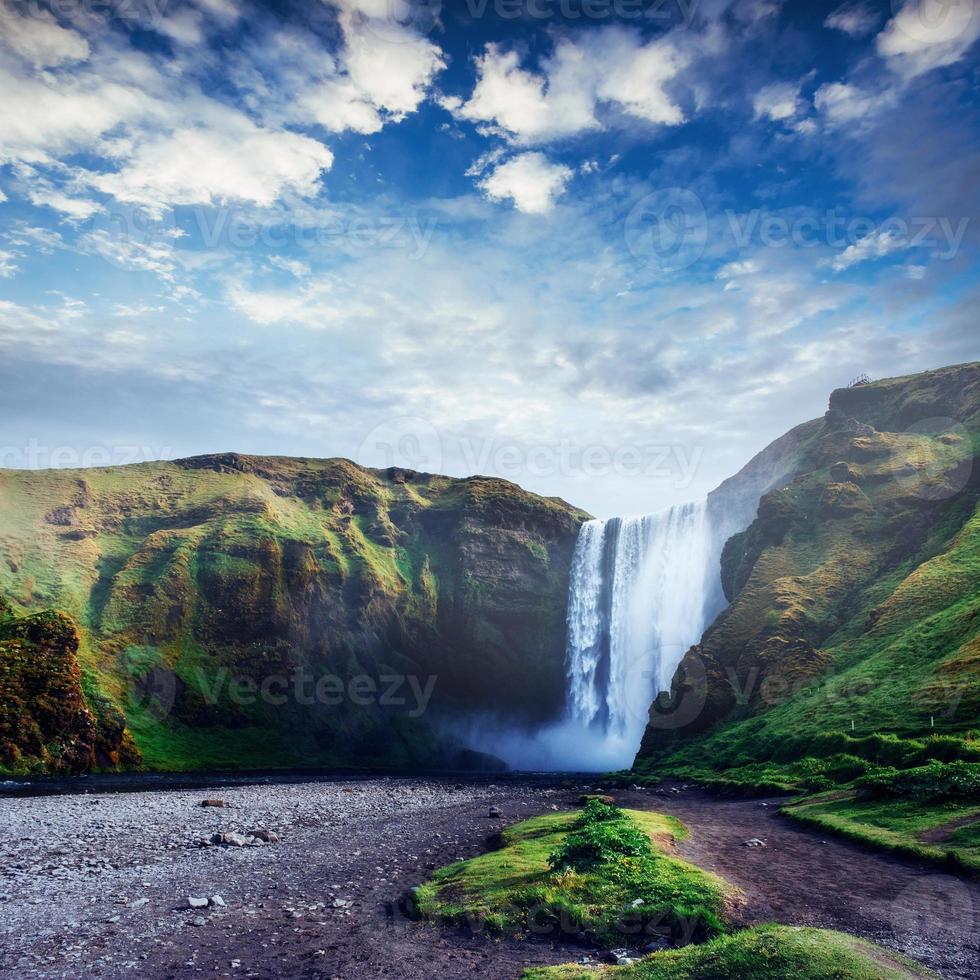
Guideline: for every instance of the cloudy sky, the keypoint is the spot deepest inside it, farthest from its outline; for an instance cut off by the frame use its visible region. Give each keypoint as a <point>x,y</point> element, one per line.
<point>606,248</point>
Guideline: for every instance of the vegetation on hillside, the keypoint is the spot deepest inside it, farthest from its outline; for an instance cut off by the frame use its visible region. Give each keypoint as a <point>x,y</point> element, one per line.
<point>192,583</point>
<point>850,652</point>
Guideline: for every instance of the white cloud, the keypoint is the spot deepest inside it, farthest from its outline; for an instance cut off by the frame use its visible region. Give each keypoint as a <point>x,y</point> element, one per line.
<point>608,67</point>
<point>529,107</point>
<point>39,39</point>
<point>731,270</point>
<point>855,19</point>
<point>927,34</point>
<point>842,103</point>
<point>873,246</point>
<point>393,68</point>
<point>44,117</point>
<point>7,265</point>
<point>338,105</point>
<point>297,269</point>
<point>231,160</point>
<point>778,102</point>
<point>135,309</point>
<point>529,180</point>
<point>43,193</point>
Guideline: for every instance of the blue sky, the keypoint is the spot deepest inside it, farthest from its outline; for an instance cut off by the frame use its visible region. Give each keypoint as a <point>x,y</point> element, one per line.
<point>608,249</point>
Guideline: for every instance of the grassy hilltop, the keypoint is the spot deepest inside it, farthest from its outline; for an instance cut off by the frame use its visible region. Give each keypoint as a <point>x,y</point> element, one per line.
<point>174,580</point>
<point>851,647</point>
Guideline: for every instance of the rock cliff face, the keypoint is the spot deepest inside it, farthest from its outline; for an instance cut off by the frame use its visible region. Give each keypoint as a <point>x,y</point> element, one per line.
<point>212,596</point>
<point>855,593</point>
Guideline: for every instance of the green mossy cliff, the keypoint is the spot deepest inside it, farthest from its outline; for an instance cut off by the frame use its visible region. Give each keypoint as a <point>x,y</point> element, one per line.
<point>854,594</point>
<point>182,586</point>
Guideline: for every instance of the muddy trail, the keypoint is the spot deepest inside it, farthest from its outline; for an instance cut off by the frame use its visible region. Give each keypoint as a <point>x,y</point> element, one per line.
<point>97,886</point>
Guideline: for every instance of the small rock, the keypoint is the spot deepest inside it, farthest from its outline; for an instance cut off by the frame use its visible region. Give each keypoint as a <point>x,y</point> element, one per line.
<point>229,839</point>
<point>217,901</point>
<point>622,957</point>
<point>494,813</point>
<point>212,802</point>
<point>194,902</point>
<point>754,842</point>
<point>266,836</point>
<point>199,921</point>
<point>636,903</point>
<point>342,903</point>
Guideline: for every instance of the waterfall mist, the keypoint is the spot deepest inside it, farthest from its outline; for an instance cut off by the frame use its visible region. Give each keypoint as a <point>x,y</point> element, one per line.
<point>642,591</point>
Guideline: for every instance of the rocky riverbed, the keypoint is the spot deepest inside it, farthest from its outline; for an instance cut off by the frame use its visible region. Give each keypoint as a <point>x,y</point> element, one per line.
<point>305,880</point>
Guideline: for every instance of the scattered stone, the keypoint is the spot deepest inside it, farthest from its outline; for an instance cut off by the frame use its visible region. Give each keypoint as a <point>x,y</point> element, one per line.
<point>266,836</point>
<point>199,921</point>
<point>342,903</point>
<point>212,802</point>
<point>622,957</point>
<point>754,842</point>
<point>230,839</point>
<point>494,813</point>
<point>217,901</point>
<point>195,902</point>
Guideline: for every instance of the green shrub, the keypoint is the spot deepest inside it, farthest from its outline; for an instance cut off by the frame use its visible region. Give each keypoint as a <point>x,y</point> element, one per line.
<point>597,810</point>
<point>937,781</point>
<point>600,841</point>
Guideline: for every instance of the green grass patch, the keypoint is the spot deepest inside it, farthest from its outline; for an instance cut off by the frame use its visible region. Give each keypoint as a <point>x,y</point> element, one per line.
<point>762,953</point>
<point>602,872</point>
<point>927,830</point>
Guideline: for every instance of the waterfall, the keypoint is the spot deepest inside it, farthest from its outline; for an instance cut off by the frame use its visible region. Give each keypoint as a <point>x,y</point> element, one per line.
<point>638,597</point>
<point>642,590</point>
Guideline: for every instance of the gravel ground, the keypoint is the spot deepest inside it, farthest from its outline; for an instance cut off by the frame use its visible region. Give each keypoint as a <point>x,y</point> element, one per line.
<point>97,885</point>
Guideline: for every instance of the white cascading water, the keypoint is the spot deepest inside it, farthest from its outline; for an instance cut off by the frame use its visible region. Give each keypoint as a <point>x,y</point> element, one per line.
<point>642,590</point>
<point>638,600</point>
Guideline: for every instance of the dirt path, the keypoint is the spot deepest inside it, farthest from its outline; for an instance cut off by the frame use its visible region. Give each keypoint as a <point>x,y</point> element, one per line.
<point>937,835</point>
<point>96,890</point>
<point>805,877</point>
